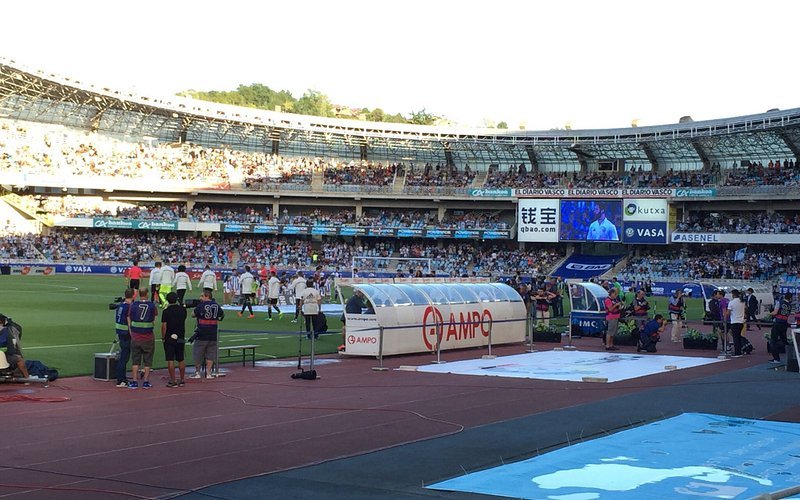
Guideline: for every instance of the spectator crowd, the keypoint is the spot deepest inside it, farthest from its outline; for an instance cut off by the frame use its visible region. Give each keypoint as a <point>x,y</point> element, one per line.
<point>752,222</point>
<point>759,263</point>
<point>95,246</point>
<point>53,150</point>
<point>93,206</point>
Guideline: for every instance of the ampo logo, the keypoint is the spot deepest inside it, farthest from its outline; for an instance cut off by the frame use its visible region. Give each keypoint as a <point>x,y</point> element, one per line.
<point>629,232</point>
<point>630,209</point>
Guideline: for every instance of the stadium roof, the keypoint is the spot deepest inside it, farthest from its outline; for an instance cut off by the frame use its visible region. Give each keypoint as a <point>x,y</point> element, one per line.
<point>28,94</point>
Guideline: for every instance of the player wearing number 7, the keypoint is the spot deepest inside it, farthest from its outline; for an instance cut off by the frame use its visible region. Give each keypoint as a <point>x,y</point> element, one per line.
<point>142,314</point>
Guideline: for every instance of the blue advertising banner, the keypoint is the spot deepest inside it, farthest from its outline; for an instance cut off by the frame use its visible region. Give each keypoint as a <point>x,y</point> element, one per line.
<point>293,229</point>
<point>324,230</point>
<point>665,288</point>
<point>352,231</point>
<point>331,230</point>
<point>88,269</point>
<point>645,232</point>
<point>586,266</point>
<point>491,234</point>
<point>491,192</point>
<point>382,231</point>
<point>409,232</point>
<point>237,228</point>
<point>438,233</point>
<point>589,323</point>
<point>695,193</point>
<point>468,233</point>
<point>144,225</point>
<point>266,229</point>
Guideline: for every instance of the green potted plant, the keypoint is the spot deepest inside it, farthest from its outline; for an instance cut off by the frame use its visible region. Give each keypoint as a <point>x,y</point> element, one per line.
<point>627,333</point>
<point>545,333</point>
<point>695,339</point>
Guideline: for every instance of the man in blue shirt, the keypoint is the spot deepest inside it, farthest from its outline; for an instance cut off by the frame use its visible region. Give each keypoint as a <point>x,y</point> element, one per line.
<point>141,320</point>
<point>123,337</point>
<point>651,334</point>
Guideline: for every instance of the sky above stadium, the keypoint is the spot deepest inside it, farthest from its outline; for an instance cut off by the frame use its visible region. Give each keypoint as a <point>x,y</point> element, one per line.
<point>590,64</point>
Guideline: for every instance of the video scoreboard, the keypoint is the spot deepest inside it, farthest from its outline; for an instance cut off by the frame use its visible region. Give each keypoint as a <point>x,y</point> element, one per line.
<point>621,220</point>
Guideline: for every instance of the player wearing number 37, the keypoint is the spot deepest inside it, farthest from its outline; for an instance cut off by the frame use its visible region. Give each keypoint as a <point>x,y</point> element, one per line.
<point>208,314</point>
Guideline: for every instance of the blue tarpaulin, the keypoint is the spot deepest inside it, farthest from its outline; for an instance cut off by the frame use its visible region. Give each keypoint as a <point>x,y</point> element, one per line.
<point>686,456</point>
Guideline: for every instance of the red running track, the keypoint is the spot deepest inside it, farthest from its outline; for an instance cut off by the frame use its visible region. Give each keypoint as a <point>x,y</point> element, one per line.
<point>106,442</point>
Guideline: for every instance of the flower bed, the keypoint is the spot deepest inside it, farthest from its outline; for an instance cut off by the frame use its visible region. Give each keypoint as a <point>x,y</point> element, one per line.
<point>546,337</point>
<point>627,334</point>
<point>699,343</point>
<point>694,339</point>
<point>542,333</point>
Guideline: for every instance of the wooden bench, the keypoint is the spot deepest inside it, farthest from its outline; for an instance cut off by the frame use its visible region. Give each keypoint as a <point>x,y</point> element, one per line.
<point>244,349</point>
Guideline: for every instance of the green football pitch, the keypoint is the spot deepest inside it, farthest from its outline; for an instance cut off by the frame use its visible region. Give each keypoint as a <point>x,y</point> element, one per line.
<point>66,320</point>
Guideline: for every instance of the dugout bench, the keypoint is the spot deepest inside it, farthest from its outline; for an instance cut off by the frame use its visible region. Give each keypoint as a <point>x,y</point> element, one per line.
<point>234,351</point>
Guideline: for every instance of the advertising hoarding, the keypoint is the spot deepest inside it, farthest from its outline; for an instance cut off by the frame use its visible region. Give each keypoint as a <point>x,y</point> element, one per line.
<point>537,220</point>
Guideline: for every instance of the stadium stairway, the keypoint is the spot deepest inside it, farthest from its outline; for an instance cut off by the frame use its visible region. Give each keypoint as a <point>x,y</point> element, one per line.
<point>480,179</point>
<point>317,181</point>
<point>617,269</point>
<point>18,217</point>
<point>558,264</point>
<point>399,182</point>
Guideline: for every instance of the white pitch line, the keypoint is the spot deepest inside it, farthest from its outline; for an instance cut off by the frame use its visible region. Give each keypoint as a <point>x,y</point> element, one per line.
<point>64,345</point>
<point>68,287</point>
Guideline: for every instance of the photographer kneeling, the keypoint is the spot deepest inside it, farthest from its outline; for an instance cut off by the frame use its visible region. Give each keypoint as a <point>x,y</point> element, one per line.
<point>651,334</point>
<point>208,314</point>
<point>10,335</point>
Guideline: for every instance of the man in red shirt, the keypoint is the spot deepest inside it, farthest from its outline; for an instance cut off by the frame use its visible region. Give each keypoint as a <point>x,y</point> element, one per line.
<point>134,275</point>
<point>613,306</point>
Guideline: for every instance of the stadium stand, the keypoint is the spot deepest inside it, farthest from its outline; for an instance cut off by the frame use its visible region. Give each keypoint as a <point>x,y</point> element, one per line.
<point>730,221</point>
<point>97,154</point>
<point>759,263</point>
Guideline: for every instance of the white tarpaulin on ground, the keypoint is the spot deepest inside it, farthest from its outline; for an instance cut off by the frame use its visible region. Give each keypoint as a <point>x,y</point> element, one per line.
<point>570,365</point>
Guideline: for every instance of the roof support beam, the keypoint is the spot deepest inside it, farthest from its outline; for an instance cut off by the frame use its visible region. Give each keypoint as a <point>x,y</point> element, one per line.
<point>790,143</point>
<point>702,153</point>
<point>651,155</point>
<point>583,158</point>
<point>532,158</point>
<point>183,130</point>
